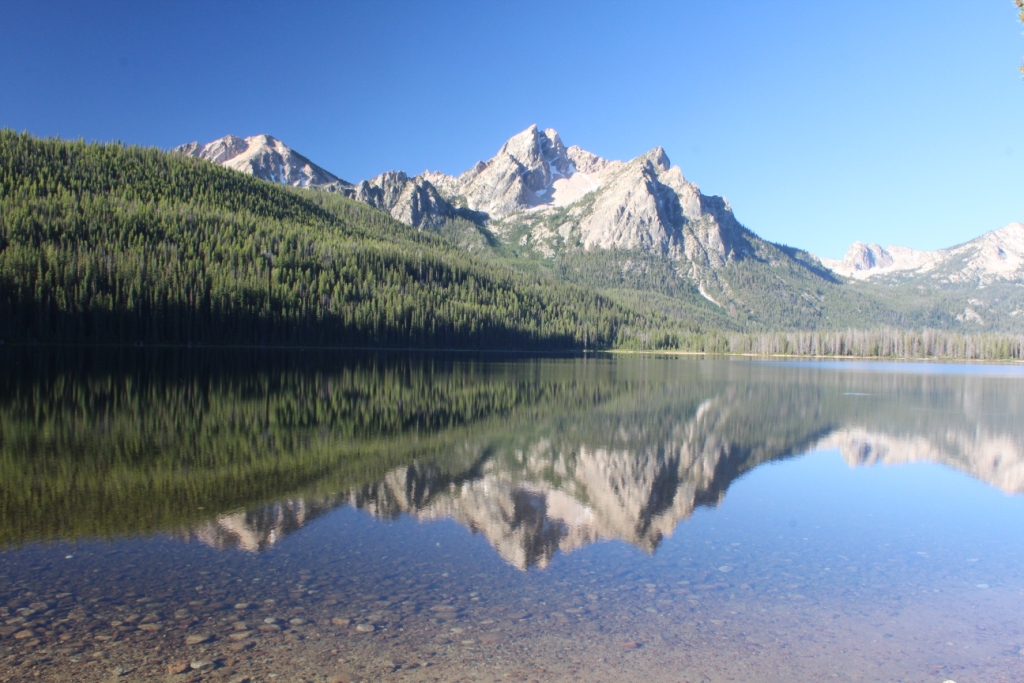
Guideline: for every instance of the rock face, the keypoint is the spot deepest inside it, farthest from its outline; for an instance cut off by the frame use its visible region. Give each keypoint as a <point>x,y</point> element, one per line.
<point>411,200</point>
<point>996,255</point>
<point>267,158</point>
<point>559,197</point>
<point>520,176</point>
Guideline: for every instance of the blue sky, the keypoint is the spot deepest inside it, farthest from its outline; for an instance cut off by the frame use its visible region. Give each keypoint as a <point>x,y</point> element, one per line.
<point>898,122</point>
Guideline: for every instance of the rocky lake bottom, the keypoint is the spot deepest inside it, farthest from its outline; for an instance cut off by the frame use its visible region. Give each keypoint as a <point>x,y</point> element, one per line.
<point>807,568</point>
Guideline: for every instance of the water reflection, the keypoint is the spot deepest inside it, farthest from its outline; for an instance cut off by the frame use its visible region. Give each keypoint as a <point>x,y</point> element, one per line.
<point>262,527</point>
<point>540,456</point>
<point>737,560</point>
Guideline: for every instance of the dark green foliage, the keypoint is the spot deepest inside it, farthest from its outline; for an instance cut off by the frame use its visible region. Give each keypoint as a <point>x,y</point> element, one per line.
<point>105,243</point>
<point>881,343</point>
<point>99,442</point>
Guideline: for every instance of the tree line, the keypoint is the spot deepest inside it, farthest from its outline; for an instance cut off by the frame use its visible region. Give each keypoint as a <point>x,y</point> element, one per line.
<point>886,342</point>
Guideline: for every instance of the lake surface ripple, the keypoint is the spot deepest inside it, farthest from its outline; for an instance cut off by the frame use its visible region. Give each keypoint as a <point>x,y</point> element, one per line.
<point>229,516</point>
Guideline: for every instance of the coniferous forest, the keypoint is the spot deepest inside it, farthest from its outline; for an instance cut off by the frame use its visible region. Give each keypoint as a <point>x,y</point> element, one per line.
<point>111,244</point>
<point>116,244</point>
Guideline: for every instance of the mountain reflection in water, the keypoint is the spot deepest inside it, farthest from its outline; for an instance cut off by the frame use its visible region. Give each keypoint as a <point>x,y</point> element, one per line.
<point>591,450</point>
<point>340,488</point>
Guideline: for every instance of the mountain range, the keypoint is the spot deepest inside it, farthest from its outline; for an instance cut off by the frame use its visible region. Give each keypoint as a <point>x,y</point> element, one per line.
<point>639,231</point>
<point>996,255</point>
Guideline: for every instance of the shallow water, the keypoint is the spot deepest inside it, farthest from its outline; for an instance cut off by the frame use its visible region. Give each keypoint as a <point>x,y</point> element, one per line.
<point>393,518</point>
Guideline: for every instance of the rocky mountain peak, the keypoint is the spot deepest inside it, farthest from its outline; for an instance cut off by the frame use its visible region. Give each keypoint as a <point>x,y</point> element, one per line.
<point>411,200</point>
<point>267,158</point>
<point>584,161</point>
<point>657,158</point>
<point>520,176</point>
<point>218,151</point>
<point>542,154</point>
<point>572,198</point>
<point>866,256</point>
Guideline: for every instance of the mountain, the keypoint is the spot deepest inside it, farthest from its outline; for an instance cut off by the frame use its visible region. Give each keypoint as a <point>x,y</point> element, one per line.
<point>564,198</point>
<point>266,158</point>
<point>537,192</point>
<point>413,201</point>
<point>114,244</point>
<point>996,255</point>
<point>978,284</point>
<point>640,233</point>
<point>410,200</point>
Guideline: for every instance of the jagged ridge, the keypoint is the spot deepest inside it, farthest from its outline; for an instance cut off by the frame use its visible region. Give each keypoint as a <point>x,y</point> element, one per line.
<point>267,158</point>
<point>996,255</point>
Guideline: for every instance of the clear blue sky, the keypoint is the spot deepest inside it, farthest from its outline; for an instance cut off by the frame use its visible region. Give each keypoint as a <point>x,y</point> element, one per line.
<point>894,121</point>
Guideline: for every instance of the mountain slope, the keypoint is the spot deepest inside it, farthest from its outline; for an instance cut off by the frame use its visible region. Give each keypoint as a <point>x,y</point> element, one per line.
<point>104,243</point>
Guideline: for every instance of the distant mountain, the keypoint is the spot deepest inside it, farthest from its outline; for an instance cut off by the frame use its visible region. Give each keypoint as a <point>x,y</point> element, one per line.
<point>640,229</point>
<point>413,201</point>
<point>267,158</point>
<point>996,255</point>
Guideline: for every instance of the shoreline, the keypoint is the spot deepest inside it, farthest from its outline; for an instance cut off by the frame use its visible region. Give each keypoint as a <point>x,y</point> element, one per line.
<point>790,356</point>
<point>505,352</point>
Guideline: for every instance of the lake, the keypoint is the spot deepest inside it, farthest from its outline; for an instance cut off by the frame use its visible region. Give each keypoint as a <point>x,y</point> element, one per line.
<point>331,516</point>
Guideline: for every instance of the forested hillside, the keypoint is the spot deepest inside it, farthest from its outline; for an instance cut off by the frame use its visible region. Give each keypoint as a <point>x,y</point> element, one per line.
<point>116,244</point>
<point>124,245</point>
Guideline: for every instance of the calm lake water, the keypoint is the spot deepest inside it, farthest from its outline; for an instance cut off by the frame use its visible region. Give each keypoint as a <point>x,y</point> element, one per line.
<point>231,516</point>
